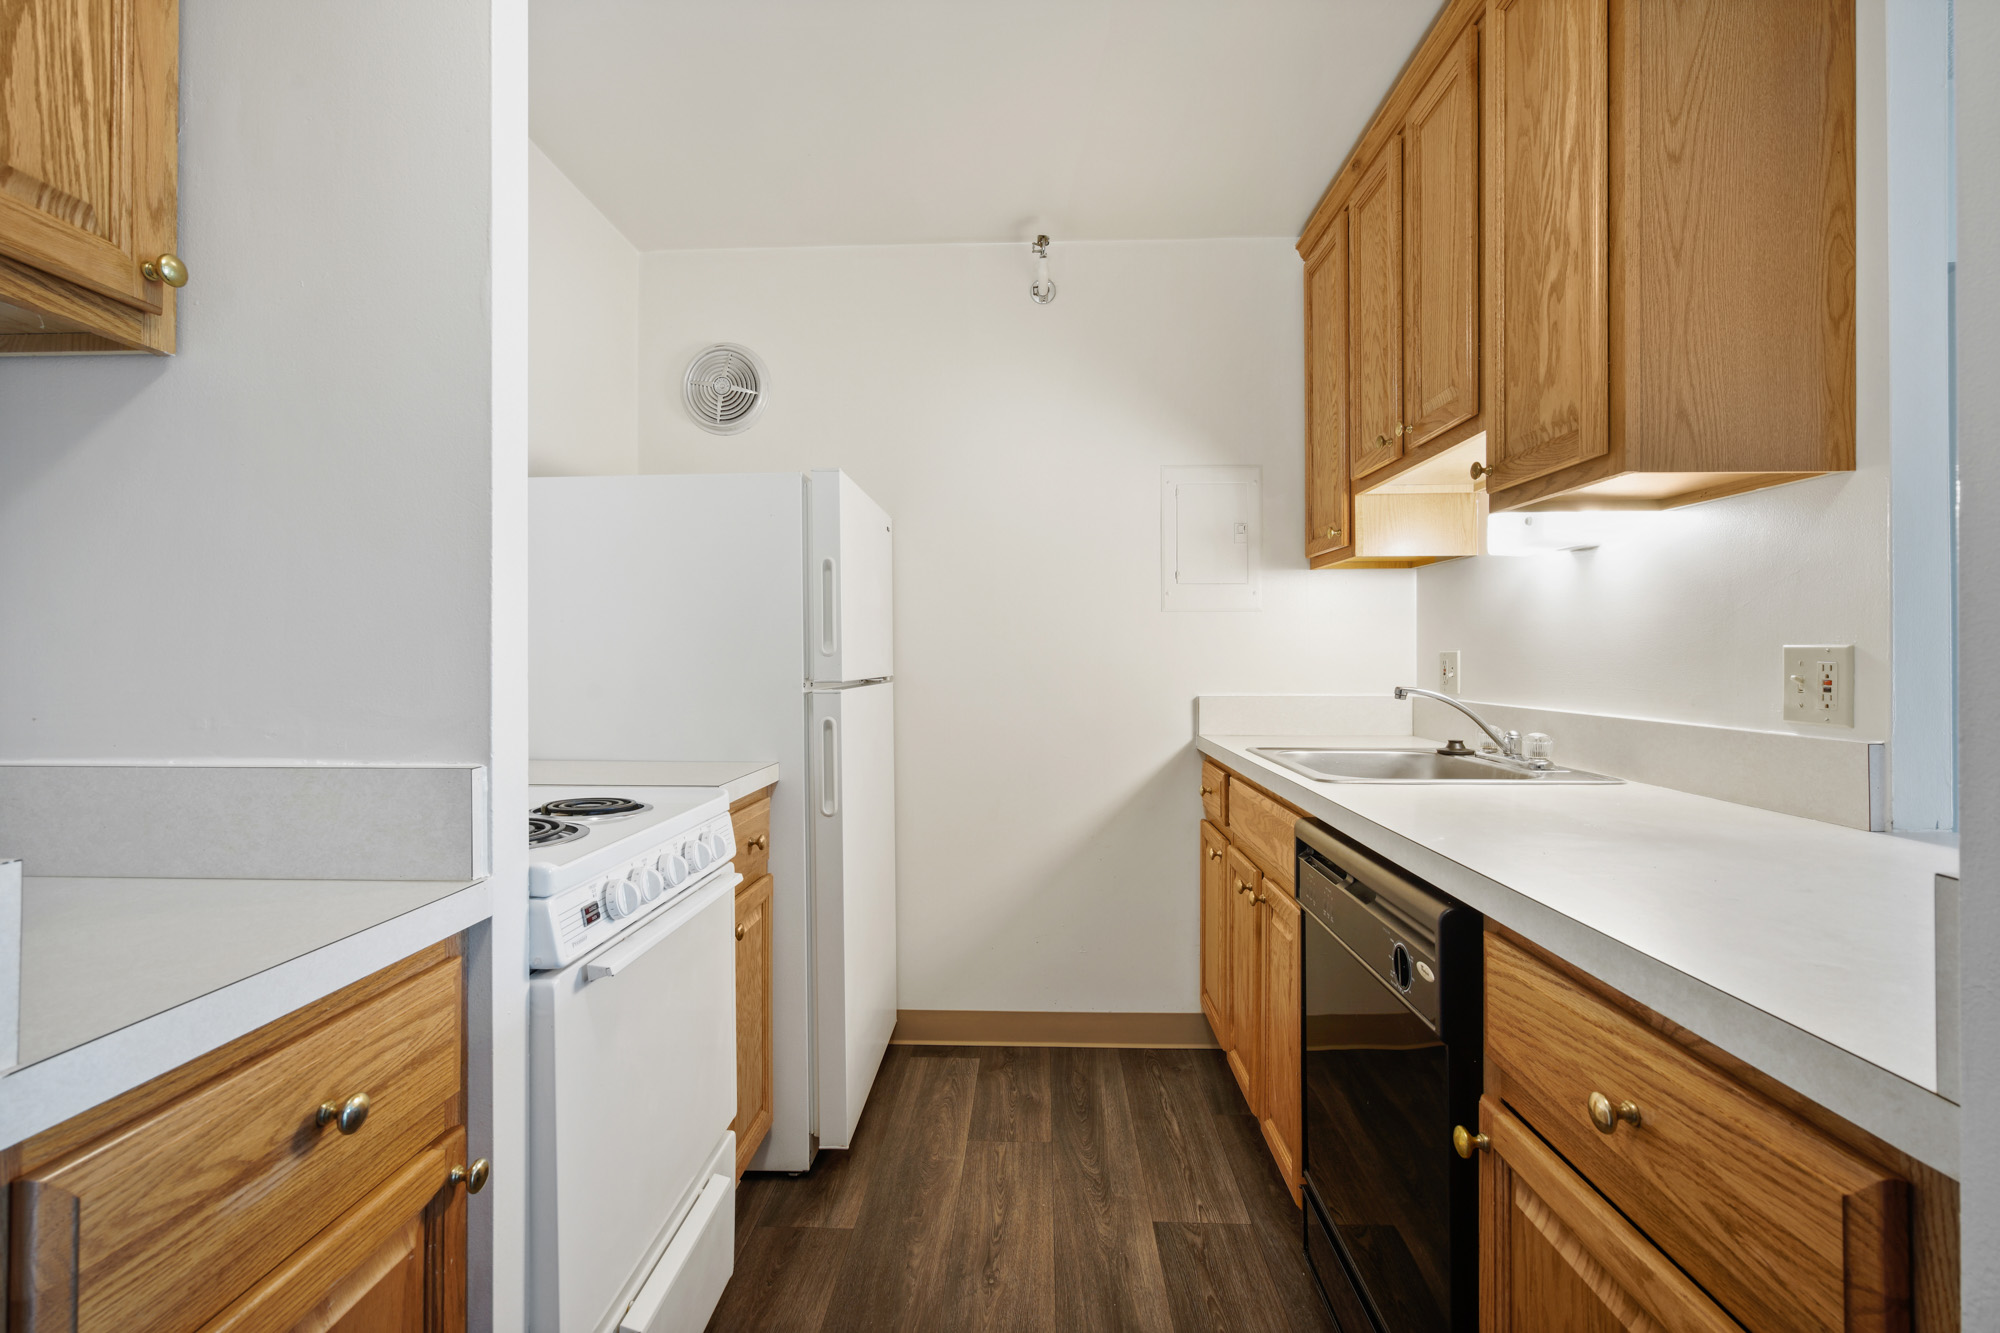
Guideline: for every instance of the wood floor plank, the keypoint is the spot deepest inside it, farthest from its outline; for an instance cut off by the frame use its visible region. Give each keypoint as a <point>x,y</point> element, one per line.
<point>1107,1270</point>
<point>1276,1222</point>
<point>1215,1278</point>
<point>1012,1105</point>
<point>783,1280</point>
<point>831,1194</point>
<point>898,1241</point>
<point>998,1267</point>
<point>1187,1178</point>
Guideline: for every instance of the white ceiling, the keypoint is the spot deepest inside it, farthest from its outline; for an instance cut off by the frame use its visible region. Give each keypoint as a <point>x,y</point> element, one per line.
<point>869,122</point>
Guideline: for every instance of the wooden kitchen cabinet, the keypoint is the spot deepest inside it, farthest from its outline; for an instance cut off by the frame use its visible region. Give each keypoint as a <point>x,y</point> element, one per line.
<point>1670,215</point>
<point>1246,962</point>
<point>750,821</point>
<point>220,1196</point>
<point>89,93</point>
<point>1375,291</point>
<point>1441,256</point>
<point>1280,1108</point>
<point>1329,497</point>
<point>1250,959</point>
<point>1556,1258</point>
<point>754,1065</point>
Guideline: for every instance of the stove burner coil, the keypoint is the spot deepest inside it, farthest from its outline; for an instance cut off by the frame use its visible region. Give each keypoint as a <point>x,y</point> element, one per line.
<point>549,832</point>
<point>592,807</point>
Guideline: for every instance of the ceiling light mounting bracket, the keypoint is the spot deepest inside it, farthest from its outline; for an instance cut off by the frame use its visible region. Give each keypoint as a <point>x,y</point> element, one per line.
<point>1042,290</point>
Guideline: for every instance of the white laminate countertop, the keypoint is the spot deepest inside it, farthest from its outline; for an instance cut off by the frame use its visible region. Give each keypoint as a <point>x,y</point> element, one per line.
<point>123,979</point>
<point>737,777</point>
<point>1807,949</point>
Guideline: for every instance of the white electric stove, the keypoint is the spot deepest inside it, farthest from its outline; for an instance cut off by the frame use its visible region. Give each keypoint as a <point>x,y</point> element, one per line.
<point>631,1058</point>
<point>599,860</point>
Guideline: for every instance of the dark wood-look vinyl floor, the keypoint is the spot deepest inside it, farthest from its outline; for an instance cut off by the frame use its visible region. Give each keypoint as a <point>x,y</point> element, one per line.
<point>1009,1188</point>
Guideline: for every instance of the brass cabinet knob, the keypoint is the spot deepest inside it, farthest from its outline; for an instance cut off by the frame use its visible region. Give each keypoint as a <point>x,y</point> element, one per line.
<point>1215,853</point>
<point>473,1177</point>
<point>1333,534</point>
<point>1479,470</point>
<point>347,1116</point>
<point>758,843</point>
<point>167,268</point>
<point>1382,440</point>
<point>1606,1115</point>
<point>1468,1143</point>
<point>1399,430</point>
<point>741,931</point>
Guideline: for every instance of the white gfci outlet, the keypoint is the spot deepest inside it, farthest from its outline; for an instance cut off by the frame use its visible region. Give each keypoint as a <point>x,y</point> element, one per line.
<point>1448,672</point>
<point>1819,683</point>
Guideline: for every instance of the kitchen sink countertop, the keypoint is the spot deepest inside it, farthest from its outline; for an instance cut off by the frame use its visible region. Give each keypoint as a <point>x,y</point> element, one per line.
<point>1805,948</point>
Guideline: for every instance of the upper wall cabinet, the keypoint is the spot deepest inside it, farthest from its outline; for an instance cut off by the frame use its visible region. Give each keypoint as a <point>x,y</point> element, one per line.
<point>88,123</point>
<point>1606,246</point>
<point>1670,211</point>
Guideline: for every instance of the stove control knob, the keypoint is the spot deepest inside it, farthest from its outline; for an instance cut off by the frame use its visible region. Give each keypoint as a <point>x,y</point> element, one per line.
<point>700,854</point>
<point>673,868</point>
<point>621,898</point>
<point>725,841</point>
<point>651,883</point>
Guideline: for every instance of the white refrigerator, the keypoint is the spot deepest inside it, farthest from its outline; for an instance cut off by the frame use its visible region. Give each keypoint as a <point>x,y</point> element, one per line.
<point>747,617</point>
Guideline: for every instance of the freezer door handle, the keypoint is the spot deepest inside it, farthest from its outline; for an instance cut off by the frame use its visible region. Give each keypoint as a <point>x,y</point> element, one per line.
<point>829,608</point>
<point>829,767</point>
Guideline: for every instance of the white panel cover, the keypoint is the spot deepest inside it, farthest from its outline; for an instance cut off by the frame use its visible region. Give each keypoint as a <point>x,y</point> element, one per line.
<point>852,630</point>
<point>854,886</point>
<point>632,1083</point>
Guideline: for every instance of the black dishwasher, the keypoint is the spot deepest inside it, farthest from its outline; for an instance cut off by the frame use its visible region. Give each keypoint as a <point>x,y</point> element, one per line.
<point>1392,989</point>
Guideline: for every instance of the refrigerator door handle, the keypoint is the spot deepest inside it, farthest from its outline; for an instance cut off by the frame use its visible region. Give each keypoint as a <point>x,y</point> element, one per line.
<point>829,608</point>
<point>829,767</point>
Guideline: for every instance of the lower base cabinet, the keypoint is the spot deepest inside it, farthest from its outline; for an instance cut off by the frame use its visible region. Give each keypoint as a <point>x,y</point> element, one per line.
<point>1250,961</point>
<point>309,1176</point>
<point>754,1066</point>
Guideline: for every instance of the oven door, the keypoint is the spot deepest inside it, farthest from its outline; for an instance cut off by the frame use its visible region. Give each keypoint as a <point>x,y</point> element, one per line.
<point>1376,1112</point>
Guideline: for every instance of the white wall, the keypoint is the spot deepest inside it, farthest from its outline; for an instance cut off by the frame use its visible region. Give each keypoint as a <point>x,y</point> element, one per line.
<point>276,543</point>
<point>583,297</point>
<point>1978,46</point>
<point>1683,617</point>
<point>1048,795</point>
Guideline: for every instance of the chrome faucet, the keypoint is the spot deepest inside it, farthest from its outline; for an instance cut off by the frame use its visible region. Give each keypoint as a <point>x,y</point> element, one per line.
<point>1508,741</point>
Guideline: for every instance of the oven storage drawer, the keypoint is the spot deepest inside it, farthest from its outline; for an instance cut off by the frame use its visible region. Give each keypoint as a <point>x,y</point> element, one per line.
<point>129,1234</point>
<point>1785,1227</point>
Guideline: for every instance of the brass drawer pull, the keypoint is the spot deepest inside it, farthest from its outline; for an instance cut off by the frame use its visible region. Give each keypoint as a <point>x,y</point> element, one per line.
<point>1215,853</point>
<point>758,843</point>
<point>740,931</point>
<point>167,268</point>
<point>348,1116</point>
<point>1467,1143</point>
<point>473,1177</point>
<point>1479,470</point>
<point>1605,1115</point>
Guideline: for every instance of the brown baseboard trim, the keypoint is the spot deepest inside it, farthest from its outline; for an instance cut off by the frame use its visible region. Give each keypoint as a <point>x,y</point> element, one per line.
<point>1027,1027</point>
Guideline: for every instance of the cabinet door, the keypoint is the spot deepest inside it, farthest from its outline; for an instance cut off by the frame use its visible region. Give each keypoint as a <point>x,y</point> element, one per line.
<point>1215,932</point>
<point>1554,1257</point>
<point>1548,61</point>
<point>753,1019</point>
<point>1441,267</point>
<point>1375,349</point>
<point>1246,965</point>
<point>87,140</point>
<point>393,1263</point>
<point>1282,1114</point>
<point>1329,503</point>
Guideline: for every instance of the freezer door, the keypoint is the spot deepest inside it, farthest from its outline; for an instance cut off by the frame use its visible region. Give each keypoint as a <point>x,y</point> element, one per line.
<point>853,781</point>
<point>850,631</point>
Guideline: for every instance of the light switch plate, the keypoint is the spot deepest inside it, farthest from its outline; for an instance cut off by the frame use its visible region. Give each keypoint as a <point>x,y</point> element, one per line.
<point>1447,682</point>
<point>1819,684</point>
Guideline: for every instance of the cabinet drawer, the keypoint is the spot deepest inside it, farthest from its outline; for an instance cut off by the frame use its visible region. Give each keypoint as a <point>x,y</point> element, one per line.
<point>1785,1227</point>
<point>1214,795</point>
<point>752,824</point>
<point>1263,828</point>
<point>160,1225</point>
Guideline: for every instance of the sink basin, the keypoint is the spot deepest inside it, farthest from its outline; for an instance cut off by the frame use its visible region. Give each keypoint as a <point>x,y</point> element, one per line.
<point>1414,766</point>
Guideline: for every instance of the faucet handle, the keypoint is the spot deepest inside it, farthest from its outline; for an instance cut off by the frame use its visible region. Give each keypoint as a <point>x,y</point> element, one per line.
<point>1510,743</point>
<point>1538,749</point>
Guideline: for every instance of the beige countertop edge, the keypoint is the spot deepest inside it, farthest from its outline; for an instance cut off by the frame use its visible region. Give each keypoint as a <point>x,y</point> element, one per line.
<point>1894,1108</point>
<point>50,1091</point>
<point>737,777</point>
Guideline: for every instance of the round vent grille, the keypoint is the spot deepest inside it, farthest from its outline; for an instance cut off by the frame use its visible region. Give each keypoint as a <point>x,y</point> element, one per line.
<point>724,388</point>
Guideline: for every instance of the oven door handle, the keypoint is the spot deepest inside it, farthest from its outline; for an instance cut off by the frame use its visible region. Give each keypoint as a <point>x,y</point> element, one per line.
<point>641,942</point>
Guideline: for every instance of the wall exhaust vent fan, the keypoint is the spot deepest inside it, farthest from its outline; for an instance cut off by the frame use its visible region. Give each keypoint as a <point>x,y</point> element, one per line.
<point>724,388</point>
